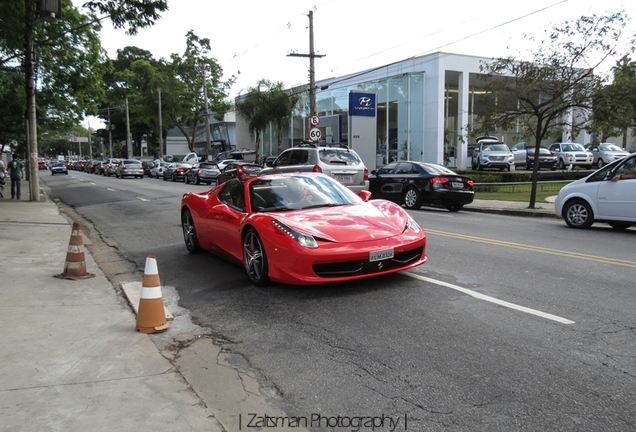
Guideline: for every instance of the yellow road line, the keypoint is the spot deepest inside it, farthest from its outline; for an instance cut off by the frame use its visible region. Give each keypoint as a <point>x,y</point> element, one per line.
<point>528,247</point>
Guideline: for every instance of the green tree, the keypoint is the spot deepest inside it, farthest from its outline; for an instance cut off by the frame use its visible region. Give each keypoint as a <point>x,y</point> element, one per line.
<point>554,91</point>
<point>615,103</point>
<point>266,102</point>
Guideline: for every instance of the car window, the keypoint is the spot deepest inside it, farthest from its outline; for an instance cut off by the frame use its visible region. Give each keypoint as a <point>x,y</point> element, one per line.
<point>233,194</point>
<point>437,169</point>
<point>298,157</point>
<point>609,147</point>
<point>497,147</point>
<point>342,157</point>
<point>404,168</point>
<point>387,169</point>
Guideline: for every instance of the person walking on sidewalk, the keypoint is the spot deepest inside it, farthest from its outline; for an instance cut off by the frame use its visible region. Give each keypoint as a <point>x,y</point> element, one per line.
<point>16,171</point>
<point>3,177</point>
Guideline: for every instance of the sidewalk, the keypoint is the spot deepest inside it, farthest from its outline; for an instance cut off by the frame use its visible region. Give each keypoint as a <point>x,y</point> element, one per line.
<point>70,358</point>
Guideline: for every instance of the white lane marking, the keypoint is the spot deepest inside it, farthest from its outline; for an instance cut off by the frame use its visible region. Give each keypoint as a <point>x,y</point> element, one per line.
<point>111,189</point>
<point>491,299</point>
<point>143,199</point>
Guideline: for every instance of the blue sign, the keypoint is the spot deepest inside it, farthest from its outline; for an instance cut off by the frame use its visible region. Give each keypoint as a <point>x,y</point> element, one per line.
<point>362,104</point>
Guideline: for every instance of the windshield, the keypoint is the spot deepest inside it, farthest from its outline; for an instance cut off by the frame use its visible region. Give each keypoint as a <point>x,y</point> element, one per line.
<point>610,147</point>
<point>572,147</point>
<point>299,192</point>
<point>496,147</point>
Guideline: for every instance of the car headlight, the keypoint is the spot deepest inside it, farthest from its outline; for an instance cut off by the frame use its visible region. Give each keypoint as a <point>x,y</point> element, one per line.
<point>412,225</point>
<point>304,240</point>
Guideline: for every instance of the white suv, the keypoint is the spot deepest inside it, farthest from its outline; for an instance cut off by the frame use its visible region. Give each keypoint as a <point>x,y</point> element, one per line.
<point>491,153</point>
<point>335,160</point>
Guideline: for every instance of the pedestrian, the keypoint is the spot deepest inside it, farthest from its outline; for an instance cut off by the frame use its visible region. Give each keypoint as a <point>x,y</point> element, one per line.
<point>16,172</point>
<point>3,177</point>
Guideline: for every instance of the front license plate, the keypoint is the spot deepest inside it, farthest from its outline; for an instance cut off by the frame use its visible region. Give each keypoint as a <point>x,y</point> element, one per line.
<point>344,179</point>
<point>381,255</point>
<point>457,185</point>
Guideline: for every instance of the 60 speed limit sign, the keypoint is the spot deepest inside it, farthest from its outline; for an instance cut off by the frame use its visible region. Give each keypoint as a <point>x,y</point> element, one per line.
<point>315,134</point>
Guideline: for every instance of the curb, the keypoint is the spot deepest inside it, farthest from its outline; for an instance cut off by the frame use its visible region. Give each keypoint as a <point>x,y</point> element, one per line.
<point>512,212</point>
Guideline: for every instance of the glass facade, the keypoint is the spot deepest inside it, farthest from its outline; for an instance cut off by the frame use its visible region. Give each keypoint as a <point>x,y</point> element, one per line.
<point>400,118</point>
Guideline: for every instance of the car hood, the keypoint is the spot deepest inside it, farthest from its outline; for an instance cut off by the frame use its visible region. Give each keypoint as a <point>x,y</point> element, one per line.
<point>497,153</point>
<point>374,220</point>
<point>615,153</point>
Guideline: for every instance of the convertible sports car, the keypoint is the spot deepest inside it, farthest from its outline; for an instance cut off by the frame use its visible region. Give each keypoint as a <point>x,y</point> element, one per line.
<point>301,229</point>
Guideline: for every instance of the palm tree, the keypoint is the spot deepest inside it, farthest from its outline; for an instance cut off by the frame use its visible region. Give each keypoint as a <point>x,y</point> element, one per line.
<point>266,102</point>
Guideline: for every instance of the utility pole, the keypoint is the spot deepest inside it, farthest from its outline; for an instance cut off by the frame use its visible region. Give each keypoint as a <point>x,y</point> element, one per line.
<point>160,127</point>
<point>110,136</point>
<point>32,137</point>
<point>312,71</point>
<point>207,115</point>
<point>128,143</point>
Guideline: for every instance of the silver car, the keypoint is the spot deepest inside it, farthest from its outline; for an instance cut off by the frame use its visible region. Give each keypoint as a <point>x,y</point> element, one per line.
<point>605,153</point>
<point>335,160</point>
<point>572,154</point>
<point>129,168</point>
<point>492,153</point>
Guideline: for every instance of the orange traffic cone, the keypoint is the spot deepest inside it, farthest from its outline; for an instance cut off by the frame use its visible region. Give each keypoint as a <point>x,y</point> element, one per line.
<point>151,316</point>
<point>75,266</point>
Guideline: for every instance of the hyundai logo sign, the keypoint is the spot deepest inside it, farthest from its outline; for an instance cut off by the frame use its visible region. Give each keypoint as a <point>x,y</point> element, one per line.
<point>362,104</point>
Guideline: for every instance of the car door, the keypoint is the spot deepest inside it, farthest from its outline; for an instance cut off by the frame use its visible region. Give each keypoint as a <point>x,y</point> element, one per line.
<point>617,200</point>
<point>224,223</point>
<point>520,152</point>
<point>381,183</point>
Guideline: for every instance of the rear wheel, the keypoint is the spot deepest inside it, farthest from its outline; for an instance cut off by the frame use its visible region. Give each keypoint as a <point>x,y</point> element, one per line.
<point>412,198</point>
<point>255,259</point>
<point>190,233</point>
<point>600,163</point>
<point>578,214</point>
<point>454,207</point>
<point>620,225</point>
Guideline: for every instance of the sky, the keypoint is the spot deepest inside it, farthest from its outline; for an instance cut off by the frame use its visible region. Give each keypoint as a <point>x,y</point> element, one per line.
<point>251,39</point>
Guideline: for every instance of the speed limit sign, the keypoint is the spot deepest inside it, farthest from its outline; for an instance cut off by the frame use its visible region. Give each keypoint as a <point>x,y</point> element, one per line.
<point>315,134</point>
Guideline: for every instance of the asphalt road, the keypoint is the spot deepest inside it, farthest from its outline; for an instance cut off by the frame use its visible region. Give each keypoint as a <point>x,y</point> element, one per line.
<point>513,324</point>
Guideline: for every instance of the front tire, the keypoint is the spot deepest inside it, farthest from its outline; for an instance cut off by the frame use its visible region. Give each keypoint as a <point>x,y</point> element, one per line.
<point>578,214</point>
<point>561,164</point>
<point>600,163</point>
<point>412,199</point>
<point>255,259</point>
<point>190,233</point>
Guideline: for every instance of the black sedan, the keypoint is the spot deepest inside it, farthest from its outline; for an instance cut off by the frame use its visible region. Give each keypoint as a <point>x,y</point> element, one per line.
<point>204,172</point>
<point>176,171</point>
<point>547,159</point>
<point>416,183</point>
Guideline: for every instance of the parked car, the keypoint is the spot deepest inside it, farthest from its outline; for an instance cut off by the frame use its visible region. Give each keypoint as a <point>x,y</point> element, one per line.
<point>58,168</point>
<point>129,168</point>
<point>491,153</point>
<point>546,159</point>
<point>147,166</point>
<point>100,168</point>
<point>223,162</point>
<point>596,198</point>
<point>302,228</point>
<point>157,170</point>
<point>572,154</point>
<point>111,166</point>
<point>605,153</point>
<point>336,160</point>
<point>204,172</point>
<point>240,169</point>
<point>413,184</point>
<point>519,152</point>
<point>176,171</point>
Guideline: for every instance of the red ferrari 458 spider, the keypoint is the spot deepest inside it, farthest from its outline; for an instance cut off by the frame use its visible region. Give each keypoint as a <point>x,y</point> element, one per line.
<point>301,228</point>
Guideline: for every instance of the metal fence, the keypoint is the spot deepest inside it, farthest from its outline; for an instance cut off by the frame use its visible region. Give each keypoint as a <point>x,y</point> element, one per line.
<point>513,187</point>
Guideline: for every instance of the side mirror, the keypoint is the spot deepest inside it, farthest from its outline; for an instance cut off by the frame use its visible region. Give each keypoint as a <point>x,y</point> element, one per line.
<point>365,195</point>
